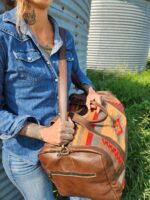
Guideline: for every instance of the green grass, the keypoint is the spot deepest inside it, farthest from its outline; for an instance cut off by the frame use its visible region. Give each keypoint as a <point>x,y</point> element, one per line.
<point>133,89</point>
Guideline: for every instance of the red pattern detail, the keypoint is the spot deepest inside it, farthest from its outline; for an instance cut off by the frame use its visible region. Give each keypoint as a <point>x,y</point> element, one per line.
<point>90,135</point>
<point>89,138</point>
<point>117,104</point>
<point>114,150</point>
<point>123,183</point>
<point>117,126</point>
<point>95,117</point>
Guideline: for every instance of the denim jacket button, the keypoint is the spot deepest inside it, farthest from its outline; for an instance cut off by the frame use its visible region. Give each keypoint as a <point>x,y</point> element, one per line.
<point>56,79</point>
<point>29,59</point>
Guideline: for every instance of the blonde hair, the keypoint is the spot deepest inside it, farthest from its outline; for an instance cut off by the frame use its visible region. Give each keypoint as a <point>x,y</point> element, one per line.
<point>21,6</point>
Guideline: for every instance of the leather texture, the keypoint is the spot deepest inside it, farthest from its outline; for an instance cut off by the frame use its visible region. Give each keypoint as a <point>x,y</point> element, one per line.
<point>93,164</point>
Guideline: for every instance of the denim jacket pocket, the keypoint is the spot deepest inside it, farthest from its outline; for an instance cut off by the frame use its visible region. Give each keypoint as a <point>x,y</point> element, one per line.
<point>30,65</point>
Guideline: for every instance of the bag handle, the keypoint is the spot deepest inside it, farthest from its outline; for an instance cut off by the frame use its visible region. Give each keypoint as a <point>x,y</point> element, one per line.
<point>62,81</point>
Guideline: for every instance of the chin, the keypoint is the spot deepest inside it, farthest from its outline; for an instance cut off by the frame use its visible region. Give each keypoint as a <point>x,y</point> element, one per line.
<point>42,4</point>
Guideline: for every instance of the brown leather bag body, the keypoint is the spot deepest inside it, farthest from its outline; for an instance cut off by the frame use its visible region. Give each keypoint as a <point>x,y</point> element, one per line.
<point>93,164</point>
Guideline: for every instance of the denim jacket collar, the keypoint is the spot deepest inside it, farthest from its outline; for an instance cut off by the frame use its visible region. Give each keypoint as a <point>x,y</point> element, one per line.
<point>10,16</point>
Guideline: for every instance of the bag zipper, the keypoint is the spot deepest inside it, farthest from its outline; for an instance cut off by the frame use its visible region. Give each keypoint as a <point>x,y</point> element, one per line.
<point>76,174</point>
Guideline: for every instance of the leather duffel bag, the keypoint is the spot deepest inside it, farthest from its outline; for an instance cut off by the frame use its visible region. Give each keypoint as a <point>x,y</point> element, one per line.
<point>93,164</point>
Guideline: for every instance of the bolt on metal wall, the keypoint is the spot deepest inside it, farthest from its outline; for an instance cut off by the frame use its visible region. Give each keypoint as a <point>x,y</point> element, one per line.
<point>119,34</point>
<point>74,16</point>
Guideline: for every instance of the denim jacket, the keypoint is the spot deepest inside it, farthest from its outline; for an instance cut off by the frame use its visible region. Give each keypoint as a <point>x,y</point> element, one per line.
<point>29,83</point>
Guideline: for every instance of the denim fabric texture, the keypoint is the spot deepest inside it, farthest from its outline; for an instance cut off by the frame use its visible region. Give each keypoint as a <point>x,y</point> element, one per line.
<point>29,179</point>
<point>29,83</point>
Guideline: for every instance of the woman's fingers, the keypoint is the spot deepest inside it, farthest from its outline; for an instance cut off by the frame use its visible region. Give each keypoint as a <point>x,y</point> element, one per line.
<point>67,131</point>
<point>69,123</point>
<point>67,136</point>
<point>93,97</point>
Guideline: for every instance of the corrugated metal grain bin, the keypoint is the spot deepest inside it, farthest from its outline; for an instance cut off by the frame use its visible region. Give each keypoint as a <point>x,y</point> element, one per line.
<point>73,15</point>
<point>119,34</point>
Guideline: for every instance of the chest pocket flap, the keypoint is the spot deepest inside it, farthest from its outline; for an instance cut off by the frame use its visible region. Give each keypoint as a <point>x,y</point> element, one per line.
<point>29,56</point>
<point>30,66</point>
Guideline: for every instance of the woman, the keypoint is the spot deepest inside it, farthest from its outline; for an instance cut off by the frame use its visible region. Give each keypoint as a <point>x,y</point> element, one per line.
<point>29,55</point>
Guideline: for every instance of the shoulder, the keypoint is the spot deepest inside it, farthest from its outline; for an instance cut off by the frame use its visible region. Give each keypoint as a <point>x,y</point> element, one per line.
<point>69,35</point>
<point>7,26</point>
<point>4,25</point>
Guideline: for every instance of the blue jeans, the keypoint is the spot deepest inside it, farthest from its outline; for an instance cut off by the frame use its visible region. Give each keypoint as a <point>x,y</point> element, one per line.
<point>29,179</point>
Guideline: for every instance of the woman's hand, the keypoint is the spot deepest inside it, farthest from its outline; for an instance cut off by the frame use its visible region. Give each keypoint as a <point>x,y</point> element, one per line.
<point>59,133</point>
<point>56,134</point>
<point>93,96</point>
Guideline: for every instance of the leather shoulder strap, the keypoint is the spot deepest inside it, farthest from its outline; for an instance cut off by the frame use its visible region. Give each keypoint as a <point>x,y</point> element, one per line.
<point>62,82</point>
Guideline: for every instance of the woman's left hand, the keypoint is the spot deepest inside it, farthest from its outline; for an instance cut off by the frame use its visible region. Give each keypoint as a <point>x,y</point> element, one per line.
<point>92,95</point>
